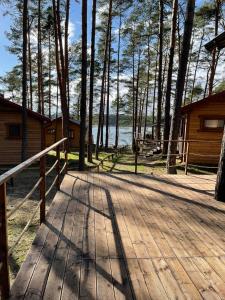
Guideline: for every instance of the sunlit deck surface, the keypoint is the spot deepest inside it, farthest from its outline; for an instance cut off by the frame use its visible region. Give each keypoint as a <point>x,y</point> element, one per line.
<point>125,236</point>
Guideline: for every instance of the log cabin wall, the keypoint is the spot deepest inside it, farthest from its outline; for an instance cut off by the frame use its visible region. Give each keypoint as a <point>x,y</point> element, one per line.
<point>195,131</point>
<point>10,149</point>
<point>53,133</point>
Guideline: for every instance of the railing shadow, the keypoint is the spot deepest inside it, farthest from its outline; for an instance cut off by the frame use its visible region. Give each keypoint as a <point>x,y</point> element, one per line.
<point>83,257</point>
<point>125,286</point>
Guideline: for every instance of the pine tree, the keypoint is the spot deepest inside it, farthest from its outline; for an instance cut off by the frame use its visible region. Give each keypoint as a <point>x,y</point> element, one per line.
<point>174,130</point>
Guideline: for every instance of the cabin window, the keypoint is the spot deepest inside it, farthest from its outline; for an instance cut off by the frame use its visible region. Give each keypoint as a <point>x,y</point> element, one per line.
<point>71,134</point>
<point>214,124</point>
<point>14,131</point>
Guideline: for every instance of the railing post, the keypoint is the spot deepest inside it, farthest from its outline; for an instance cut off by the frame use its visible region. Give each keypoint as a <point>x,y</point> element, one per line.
<point>186,161</point>
<point>66,161</point>
<point>42,188</point>
<point>58,167</point>
<point>136,157</point>
<point>4,269</point>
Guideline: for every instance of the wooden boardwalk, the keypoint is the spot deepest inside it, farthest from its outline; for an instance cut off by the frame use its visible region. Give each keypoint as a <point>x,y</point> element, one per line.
<point>120,236</point>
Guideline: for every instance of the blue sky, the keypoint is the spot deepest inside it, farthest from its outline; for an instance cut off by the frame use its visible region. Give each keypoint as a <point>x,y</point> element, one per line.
<point>8,60</point>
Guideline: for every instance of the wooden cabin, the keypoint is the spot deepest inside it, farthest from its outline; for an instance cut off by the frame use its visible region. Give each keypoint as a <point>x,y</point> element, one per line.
<point>203,121</point>
<point>11,132</point>
<point>53,133</point>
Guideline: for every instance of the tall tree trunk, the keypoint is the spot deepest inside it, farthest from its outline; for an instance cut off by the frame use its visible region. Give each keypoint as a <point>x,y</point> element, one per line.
<point>159,102</point>
<point>60,65</point>
<point>175,124</point>
<point>206,83</point>
<point>40,73</point>
<point>137,95</point>
<point>154,97</point>
<point>220,182</point>
<point>24,84</point>
<point>169,77</point>
<point>197,62</point>
<point>133,98</point>
<point>101,108</point>
<point>57,109</point>
<point>214,52</point>
<point>103,119</point>
<point>141,109</point>
<point>188,72</point>
<point>30,69</point>
<point>147,89</point>
<point>49,77</point>
<point>67,51</point>
<point>83,87</point>
<point>179,37</point>
<point>92,71</point>
<point>118,85</point>
<point>165,70</point>
<point>108,91</point>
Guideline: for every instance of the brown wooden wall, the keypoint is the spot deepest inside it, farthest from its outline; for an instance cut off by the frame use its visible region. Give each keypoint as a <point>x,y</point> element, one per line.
<point>10,150</point>
<point>51,137</point>
<point>194,132</point>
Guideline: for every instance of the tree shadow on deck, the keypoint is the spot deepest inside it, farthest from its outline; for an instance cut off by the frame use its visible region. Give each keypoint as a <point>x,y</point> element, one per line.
<point>169,194</point>
<point>174,183</point>
<point>84,258</point>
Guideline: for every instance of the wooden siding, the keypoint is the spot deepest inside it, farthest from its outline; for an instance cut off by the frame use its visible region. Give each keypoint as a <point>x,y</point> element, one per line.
<point>195,133</point>
<point>10,150</point>
<point>51,138</point>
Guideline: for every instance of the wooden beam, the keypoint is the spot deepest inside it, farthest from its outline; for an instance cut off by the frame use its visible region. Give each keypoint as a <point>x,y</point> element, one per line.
<point>4,271</point>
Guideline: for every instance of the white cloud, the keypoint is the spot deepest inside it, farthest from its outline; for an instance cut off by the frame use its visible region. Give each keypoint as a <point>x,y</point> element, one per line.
<point>71,30</point>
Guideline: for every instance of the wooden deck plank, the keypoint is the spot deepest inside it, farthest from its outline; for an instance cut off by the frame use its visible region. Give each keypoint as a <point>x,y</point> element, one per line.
<point>122,236</point>
<point>208,236</point>
<point>20,285</point>
<point>153,282</point>
<point>54,284</point>
<point>202,240</point>
<point>104,275</point>
<point>71,284</point>
<point>88,267</point>
<point>38,281</point>
<point>204,287</point>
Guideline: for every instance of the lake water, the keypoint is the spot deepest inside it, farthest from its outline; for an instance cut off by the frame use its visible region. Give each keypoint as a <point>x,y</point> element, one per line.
<point>125,135</point>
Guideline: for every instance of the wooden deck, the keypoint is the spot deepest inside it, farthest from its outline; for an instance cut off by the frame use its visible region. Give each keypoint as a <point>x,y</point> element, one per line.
<point>113,236</point>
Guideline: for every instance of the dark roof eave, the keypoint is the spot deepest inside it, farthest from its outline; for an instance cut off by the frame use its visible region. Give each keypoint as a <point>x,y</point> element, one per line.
<point>70,120</point>
<point>218,42</point>
<point>19,108</point>
<point>219,97</point>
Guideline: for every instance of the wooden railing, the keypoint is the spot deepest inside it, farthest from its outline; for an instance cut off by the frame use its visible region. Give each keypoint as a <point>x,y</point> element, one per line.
<point>184,155</point>
<point>106,158</point>
<point>110,155</point>
<point>41,184</point>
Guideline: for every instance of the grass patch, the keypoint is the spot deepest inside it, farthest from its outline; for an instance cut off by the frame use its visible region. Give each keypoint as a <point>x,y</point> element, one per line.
<point>16,223</point>
<point>125,163</point>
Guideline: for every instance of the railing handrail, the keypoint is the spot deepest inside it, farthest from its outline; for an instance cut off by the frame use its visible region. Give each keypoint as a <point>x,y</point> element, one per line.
<point>180,141</point>
<point>17,169</point>
<point>5,251</point>
<point>185,154</point>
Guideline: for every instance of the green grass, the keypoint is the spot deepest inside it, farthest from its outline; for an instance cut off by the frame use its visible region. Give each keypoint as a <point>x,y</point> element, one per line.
<point>73,158</point>
<point>125,163</point>
<point>15,226</point>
